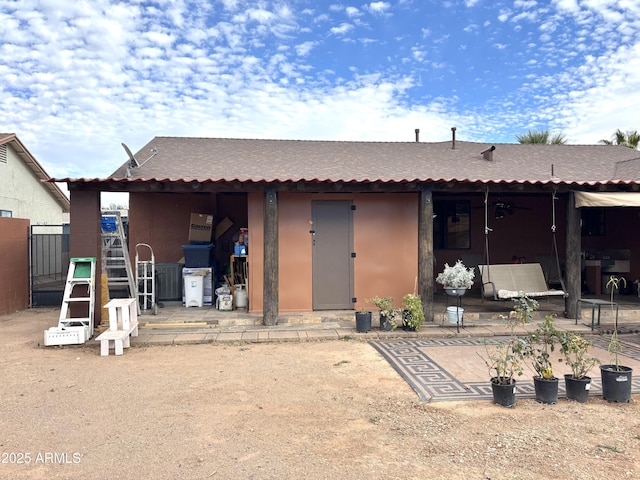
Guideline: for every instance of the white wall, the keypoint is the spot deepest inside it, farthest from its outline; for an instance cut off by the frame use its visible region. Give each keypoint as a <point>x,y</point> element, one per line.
<point>22,193</point>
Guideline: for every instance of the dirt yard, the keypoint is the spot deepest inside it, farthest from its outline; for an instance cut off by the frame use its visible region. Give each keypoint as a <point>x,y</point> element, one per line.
<point>323,410</point>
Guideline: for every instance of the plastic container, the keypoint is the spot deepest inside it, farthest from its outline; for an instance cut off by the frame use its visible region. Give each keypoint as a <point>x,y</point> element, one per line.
<point>193,290</point>
<point>455,314</point>
<point>197,256</point>
<point>241,296</point>
<point>240,250</point>
<point>108,224</point>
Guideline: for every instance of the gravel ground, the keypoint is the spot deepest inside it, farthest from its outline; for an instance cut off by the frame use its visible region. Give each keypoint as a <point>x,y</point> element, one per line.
<point>317,410</point>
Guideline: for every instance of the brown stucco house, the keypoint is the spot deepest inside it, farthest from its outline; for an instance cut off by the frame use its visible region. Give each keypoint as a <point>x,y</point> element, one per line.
<point>332,223</point>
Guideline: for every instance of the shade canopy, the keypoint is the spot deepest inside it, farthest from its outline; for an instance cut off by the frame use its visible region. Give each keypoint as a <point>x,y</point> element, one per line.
<point>607,199</point>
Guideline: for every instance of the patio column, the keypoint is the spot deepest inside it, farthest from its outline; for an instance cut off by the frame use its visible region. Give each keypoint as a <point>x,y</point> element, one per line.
<point>573,266</point>
<point>425,252</point>
<point>85,238</point>
<point>270,278</point>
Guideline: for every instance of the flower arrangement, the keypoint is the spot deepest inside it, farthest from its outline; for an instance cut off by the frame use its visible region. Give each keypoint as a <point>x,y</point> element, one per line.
<point>456,276</point>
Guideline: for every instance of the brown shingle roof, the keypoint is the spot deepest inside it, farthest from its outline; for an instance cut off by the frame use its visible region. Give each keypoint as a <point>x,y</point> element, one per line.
<point>224,159</point>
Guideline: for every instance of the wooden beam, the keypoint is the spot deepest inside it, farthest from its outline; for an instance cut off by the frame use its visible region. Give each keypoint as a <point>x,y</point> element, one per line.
<point>573,282</point>
<point>270,287</point>
<point>425,251</point>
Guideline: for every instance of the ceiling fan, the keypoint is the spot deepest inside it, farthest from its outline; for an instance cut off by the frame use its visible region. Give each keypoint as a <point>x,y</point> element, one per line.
<point>503,208</point>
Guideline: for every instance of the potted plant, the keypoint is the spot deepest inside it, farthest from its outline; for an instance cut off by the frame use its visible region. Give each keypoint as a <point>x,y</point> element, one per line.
<point>574,348</point>
<point>412,312</point>
<point>616,378</point>
<point>387,313</point>
<point>363,320</point>
<point>456,279</point>
<point>540,343</point>
<point>505,360</point>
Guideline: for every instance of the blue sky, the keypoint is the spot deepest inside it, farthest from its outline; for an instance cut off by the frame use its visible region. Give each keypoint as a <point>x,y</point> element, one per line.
<point>78,78</point>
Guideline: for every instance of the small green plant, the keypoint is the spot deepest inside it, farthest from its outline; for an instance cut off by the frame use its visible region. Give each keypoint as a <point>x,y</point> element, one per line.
<point>615,347</point>
<point>523,308</point>
<point>539,345</point>
<point>505,359</point>
<point>385,305</point>
<point>412,304</point>
<point>574,348</point>
<point>456,276</point>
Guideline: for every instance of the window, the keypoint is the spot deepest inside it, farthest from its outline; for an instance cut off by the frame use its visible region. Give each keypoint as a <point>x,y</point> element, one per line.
<point>6,213</point>
<point>592,220</point>
<point>3,154</point>
<point>451,225</point>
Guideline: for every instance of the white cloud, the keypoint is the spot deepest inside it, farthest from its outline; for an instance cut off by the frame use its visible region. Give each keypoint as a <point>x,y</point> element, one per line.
<point>353,12</point>
<point>378,7</point>
<point>78,79</point>
<point>341,29</point>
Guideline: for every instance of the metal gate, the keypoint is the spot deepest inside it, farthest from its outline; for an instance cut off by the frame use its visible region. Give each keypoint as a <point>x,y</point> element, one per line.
<point>48,264</point>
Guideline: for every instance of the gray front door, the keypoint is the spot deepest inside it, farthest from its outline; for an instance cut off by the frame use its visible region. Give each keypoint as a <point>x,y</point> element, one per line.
<point>332,261</point>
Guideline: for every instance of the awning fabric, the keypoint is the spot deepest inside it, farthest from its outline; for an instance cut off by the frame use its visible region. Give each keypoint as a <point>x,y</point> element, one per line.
<point>607,199</point>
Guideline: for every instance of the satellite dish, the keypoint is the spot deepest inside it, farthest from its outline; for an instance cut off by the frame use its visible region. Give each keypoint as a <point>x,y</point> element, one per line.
<point>133,163</point>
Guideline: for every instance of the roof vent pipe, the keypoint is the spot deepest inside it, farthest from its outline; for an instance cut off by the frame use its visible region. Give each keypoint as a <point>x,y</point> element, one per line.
<point>488,153</point>
<point>453,138</point>
<point>417,135</point>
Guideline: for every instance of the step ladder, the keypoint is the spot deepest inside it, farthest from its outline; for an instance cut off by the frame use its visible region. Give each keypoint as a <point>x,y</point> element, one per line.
<point>116,263</point>
<point>75,325</point>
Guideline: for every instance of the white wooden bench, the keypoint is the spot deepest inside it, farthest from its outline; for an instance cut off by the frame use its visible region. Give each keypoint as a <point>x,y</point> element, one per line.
<point>123,324</point>
<point>511,280</point>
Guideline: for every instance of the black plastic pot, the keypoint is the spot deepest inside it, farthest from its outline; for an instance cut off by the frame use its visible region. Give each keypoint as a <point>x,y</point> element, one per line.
<point>546,390</point>
<point>616,384</point>
<point>503,394</point>
<point>406,317</point>
<point>363,322</point>
<point>577,388</point>
<point>385,323</point>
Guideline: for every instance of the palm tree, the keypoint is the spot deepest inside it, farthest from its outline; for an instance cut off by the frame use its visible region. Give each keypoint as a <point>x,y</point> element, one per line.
<point>542,136</point>
<point>628,139</point>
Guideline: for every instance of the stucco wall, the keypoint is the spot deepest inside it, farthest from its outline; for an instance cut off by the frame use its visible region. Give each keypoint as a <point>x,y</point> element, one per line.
<point>14,265</point>
<point>25,196</point>
<point>162,221</point>
<point>385,242</point>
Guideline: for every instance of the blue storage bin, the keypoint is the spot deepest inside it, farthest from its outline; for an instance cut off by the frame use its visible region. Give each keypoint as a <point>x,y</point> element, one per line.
<point>108,224</point>
<point>197,256</point>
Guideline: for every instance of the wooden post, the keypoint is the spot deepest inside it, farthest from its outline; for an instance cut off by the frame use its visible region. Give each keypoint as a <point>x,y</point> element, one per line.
<point>270,288</point>
<point>425,252</point>
<point>573,266</point>
<point>85,238</point>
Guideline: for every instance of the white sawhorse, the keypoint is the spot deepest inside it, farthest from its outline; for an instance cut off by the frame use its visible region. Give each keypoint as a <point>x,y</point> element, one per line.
<point>123,323</point>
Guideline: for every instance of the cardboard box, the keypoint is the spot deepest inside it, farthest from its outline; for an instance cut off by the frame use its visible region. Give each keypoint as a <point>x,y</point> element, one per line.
<point>200,227</point>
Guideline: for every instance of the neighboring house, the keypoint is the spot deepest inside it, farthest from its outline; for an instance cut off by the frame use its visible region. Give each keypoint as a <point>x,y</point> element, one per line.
<point>334,223</point>
<point>22,194</point>
<point>26,201</point>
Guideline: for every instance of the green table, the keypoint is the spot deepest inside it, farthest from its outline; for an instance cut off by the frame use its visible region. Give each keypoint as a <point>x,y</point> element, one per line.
<point>595,303</point>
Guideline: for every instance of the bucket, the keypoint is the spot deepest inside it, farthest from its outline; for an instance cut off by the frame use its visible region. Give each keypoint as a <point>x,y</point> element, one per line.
<point>455,314</point>
<point>241,296</point>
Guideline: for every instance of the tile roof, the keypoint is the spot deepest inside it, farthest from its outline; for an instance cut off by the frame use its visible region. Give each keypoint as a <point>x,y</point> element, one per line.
<point>252,160</point>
